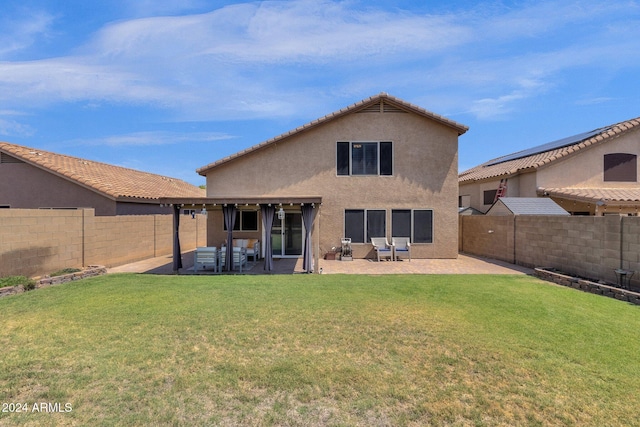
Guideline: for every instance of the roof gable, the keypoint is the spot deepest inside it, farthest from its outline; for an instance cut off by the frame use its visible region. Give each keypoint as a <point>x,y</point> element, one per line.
<point>114,182</point>
<point>541,155</point>
<point>381,103</point>
<point>529,206</point>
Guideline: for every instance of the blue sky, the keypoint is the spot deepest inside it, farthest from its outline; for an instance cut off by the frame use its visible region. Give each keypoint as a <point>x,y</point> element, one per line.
<point>170,86</point>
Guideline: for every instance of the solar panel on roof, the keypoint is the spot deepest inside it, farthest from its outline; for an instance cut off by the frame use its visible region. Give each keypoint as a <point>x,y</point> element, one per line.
<point>554,145</point>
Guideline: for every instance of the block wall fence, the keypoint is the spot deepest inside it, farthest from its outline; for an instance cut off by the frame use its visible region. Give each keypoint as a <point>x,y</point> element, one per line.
<point>589,246</point>
<point>36,242</point>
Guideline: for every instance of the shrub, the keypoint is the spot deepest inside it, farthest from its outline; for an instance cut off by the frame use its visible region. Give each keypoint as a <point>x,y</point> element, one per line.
<point>27,284</point>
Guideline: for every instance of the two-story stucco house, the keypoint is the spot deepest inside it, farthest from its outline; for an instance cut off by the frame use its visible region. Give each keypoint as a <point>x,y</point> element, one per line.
<point>381,167</point>
<point>593,173</point>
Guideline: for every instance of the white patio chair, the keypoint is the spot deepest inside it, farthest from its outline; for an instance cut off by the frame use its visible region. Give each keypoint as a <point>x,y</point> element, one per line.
<point>251,247</point>
<point>382,247</point>
<point>239,258</point>
<point>205,257</point>
<point>401,246</point>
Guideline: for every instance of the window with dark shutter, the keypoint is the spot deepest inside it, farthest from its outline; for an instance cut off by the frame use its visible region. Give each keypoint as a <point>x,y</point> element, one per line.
<point>620,167</point>
<point>364,158</point>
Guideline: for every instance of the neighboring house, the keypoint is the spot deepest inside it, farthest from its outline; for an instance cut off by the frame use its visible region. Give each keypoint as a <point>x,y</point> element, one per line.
<point>593,173</point>
<point>525,206</point>
<point>381,167</point>
<point>31,178</point>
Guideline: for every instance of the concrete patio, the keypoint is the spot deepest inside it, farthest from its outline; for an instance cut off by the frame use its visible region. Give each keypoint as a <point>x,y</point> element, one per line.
<point>464,264</point>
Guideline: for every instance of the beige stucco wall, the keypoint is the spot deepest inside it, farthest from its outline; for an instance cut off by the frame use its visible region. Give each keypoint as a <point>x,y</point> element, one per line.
<point>23,186</point>
<point>425,176</point>
<point>586,168</point>
<point>36,242</point>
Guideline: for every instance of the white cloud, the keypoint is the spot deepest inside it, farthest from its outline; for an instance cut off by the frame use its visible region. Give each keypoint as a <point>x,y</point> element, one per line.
<point>22,31</point>
<point>9,126</point>
<point>154,138</point>
<point>13,127</point>
<point>260,59</point>
<point>594,101</point>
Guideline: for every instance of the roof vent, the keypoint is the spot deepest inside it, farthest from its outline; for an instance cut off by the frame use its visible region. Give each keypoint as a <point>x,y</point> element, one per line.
<point>5,158</point>
<point>382,107</point>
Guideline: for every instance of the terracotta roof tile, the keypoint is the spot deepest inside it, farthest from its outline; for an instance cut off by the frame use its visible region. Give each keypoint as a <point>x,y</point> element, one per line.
<point>496,168</point>
<point>630,195</point>
<point>113,181</point>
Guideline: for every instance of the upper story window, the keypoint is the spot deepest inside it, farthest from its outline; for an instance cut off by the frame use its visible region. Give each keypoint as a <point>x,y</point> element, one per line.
<point>621,167</point>
<point>364,158</point>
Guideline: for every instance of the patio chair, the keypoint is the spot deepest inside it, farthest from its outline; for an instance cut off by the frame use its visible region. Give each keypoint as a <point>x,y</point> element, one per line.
<point>402,246</point>
<point>382,247</point>
<point>205,257</point>
<point>251,246</point>
<point>239,258</point>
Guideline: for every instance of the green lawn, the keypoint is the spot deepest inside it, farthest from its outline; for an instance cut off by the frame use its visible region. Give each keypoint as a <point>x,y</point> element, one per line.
<point>319,350</point>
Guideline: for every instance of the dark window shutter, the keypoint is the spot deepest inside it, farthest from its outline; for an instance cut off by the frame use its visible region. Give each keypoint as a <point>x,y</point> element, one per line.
<point>342,158</point>
<point>386,158</point>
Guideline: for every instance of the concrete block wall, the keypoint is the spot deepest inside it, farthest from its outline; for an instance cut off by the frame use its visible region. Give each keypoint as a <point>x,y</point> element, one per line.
<point>489,236</point>
<point>631,245</point>
<point>591,247</point>
<point>120,239</point>
<point>37,242</point>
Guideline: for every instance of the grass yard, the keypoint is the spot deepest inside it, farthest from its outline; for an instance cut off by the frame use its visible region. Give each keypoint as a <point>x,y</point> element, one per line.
<point>309,350</point>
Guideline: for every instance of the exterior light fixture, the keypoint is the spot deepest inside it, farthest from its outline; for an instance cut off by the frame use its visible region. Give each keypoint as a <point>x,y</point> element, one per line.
<point>281,214</point>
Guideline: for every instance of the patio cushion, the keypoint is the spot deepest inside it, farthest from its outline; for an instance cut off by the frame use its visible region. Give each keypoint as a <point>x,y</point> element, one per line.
<point>240,243</point>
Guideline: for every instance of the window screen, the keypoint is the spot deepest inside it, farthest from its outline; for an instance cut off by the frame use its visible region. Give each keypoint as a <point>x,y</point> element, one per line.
<point>423,226</point>
<point>376,224</point>
<point>364,158</point>
<point>620,167</point>
<point>354,225</point>
<point>401,223</point>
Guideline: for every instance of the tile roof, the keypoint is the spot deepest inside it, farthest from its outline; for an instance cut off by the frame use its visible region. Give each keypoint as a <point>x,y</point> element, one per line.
<point>515,164</point>
<point>383,99</point>
<point>112,181</point>
<point>606,195</point>
<point>530,206</point>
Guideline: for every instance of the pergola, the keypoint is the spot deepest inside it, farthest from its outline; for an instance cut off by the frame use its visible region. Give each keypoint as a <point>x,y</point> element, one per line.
<point>309,205</point>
